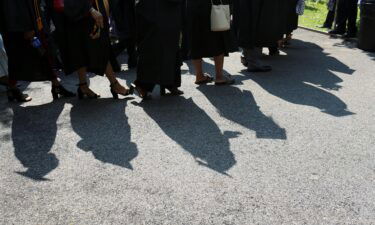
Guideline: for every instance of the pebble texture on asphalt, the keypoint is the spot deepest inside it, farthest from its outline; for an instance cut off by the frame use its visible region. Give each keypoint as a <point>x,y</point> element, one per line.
<point>295,146</point>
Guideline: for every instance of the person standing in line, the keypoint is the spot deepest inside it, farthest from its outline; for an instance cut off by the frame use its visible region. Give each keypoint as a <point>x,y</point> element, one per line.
<point>331,6</point>
<point>159,28</point>
<point>123,14</point>
<point>26,47</point>
<point>346,22</point>
<point>82,35</point>
<point>204,43</point>
<point>257,26</point>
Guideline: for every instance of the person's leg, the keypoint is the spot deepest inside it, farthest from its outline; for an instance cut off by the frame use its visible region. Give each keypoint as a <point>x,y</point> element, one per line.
<point>83,87</point>
<point>116,87</point>
<point>341,18</point>
<point>330,19</point>
<point>352,17</point>
<point>219,66</point>
<point>253,60</point>
<point>198,67</point>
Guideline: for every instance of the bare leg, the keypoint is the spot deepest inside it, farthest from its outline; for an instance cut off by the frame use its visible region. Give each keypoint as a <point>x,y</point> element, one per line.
<point>199,75</point>
<point>219,65</point>
<point>117,87</point>
<point>82,72</point>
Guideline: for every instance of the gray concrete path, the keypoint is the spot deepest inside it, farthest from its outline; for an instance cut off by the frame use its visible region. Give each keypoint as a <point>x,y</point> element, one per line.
<point>295,146</point>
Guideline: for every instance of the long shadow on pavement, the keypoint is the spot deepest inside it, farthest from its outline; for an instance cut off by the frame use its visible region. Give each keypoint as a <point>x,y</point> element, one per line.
<point>103,126</point>
<point>240,107</point>
<point>34,132</point>
<point>302,76</point>
<point>190,127</point>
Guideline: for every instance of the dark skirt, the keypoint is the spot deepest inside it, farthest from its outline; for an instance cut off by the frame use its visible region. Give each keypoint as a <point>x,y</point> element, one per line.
<point>25,63</point>
<point>291,16</point>
<point>203,42</point>
<point>79,50</point>
<point>158,36</point>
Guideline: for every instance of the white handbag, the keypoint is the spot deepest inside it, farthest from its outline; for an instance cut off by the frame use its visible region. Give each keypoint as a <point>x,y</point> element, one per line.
<point>220,17</point>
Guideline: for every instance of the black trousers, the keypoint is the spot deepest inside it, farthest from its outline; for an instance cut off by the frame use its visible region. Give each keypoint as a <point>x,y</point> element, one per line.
<point>347,16</point>
<point>330,17</point>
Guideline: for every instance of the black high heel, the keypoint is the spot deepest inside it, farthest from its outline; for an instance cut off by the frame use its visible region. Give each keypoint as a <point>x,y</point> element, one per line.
<point>142,93</point>
<point>173,91</point>
<point>82,95</point>
<point>60,90</point>
<point>15,94</point>
<point>115,94</point>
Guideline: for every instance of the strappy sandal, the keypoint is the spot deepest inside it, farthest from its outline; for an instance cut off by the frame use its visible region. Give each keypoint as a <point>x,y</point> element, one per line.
<point>141,93</point>
<point>228,81</point>
<point>207,79</point>
<point>115,94</point>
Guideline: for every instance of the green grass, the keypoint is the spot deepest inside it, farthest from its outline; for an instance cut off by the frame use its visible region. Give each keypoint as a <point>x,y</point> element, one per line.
<point>315,15</point>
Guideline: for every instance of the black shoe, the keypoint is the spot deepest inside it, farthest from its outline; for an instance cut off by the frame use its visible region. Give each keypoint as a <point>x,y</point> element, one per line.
<point>274,51</point>
<point>58,91</point>
<point>172,91</point>
<point>89,95</point>
<point>336,32</point>
<point>325,26</point>
<point>15,94</point>
<point>349,35</point>
<point>115,94</point>
<point>260,69</point>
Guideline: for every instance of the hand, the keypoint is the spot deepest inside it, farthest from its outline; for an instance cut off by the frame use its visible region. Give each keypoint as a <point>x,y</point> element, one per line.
<point>29,35</point>
<point>98,17</point>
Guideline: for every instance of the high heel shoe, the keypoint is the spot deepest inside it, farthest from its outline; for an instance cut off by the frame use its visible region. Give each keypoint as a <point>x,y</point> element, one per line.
<point>15,94</point>
<point>60,90</point>
<point>141,92</point>
<point>82,95</point>
<point>172,91</point>
<point>116,94</point>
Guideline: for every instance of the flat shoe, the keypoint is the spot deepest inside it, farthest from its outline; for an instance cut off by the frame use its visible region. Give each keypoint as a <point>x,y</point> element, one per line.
<point>206,80</point>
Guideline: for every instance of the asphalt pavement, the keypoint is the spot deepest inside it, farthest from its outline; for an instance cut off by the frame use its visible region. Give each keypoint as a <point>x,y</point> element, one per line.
<point>293,146</point>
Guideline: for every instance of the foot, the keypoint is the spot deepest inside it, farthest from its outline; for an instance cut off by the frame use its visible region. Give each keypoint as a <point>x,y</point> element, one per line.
<point>336,32</point>
<point>225,81</point>
<point>117,88</point>
<point>172,91</point>
<point>349,35</point>
<point>141,92</point>
<point>85,92</point>
<point>15,94</point>
<point>203,79</point>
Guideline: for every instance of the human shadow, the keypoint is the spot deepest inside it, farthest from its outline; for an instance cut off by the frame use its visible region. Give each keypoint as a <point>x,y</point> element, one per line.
<point>240,107</point>
<point>190,127</point>
<point>306,77</point>
<point>104,130</point>
<point>34,130</point>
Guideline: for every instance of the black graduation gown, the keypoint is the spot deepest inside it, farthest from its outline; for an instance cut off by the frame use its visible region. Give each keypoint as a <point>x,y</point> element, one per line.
<point>203,42</point>
<point>78,49</point>
<point>291,16</point>
<point>158,36</point>
<point>123,13</point>
<point>24,62</point>
<point>257,22</point>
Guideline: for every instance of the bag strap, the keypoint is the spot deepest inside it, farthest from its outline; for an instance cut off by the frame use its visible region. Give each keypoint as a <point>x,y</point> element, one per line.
<point>38,16</point>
